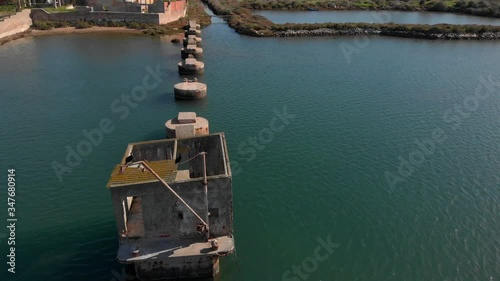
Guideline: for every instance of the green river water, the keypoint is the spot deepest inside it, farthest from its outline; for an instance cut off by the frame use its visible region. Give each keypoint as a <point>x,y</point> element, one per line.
<point>390,152</point>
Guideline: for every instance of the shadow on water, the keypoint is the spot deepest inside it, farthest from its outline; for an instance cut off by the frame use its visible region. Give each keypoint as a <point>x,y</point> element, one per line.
<point>154,135</point>
<point>97,253</point>
<point>192,77</point>
<point>169,98</point>
<point>165,98</point>
<point>198,103</point>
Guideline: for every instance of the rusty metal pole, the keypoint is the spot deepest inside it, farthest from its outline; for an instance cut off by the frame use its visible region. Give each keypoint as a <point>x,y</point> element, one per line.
<point>205,190</point>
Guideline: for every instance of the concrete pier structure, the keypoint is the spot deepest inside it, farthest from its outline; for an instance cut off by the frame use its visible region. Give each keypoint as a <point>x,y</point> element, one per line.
<point>194,25</point>
<point>190,90</point>
<point>172,202</point>
<point>191,66</point>
<point>192,38</point>
<point>186,122</point>
<point>192,31</point>
<point>192,50</point>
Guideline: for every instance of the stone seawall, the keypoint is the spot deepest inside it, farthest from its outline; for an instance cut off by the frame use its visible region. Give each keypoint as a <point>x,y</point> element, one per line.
<point>405,34</point>
<point>164,13</point>
<point>15,24</point>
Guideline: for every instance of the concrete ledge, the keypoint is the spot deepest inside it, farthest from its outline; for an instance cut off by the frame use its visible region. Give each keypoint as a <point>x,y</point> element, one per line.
<point>15,24</point>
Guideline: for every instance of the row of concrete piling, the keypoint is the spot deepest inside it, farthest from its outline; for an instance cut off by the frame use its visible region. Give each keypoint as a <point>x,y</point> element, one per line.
<point>191,54</point>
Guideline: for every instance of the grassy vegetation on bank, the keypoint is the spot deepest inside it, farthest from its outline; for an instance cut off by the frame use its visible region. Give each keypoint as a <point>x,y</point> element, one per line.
<point>393,27</point>
<point>150,29</point>
<point>196,12</point>
<point>7,10</point>
<point>245,22</point>
<point>490,8</point>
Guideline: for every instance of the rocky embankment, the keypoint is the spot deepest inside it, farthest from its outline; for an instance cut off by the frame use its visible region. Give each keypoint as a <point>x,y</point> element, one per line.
<point>245,22</point>
<point>405,34</point>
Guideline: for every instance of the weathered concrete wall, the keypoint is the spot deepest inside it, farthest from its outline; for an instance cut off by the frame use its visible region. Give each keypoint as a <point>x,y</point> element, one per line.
<point>165,216</point>
<point>154,150</point>
<point>114,16</point>
<point>190,268</point>
<point>158,7</point>
<point>42,15</point>
<point>159,150</point>
<point>213,146</point>
<point>15,24</point>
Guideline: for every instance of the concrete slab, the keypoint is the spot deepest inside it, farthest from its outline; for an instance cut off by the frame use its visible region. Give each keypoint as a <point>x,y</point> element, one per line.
<point>186,117</point>
<point>163,248</point>
<point>184,131</point>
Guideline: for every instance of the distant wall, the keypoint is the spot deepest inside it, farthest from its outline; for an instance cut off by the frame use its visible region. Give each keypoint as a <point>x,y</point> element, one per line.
<point>159,13</point>
<point>17,23</point>
<point>111,5</point>
<point>116,16</point>
<point>42,15</point>
<point>164,216</point>
<point>158,7</point>
<point>130,6</point>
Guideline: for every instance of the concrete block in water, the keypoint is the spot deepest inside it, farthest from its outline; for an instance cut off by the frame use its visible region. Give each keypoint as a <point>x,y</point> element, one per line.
<point>190,66</point>
<point>192,31</point>
<point>198,40</point>
<point>175,127</point>
<point>192,50</point>
<point>190,90</point>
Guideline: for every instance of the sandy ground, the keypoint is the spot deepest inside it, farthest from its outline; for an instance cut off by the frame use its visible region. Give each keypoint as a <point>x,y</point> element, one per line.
<point>94,29</point>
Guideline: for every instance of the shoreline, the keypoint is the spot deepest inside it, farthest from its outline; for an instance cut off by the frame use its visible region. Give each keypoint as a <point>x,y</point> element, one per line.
<point>91,30</point>
<point>94,29</point>
<point>356,9</point>
<point>172,30</point>
<point>465,7</point>
<point>245,22</point>
<point>390,33</point>
<point>11,38</point>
